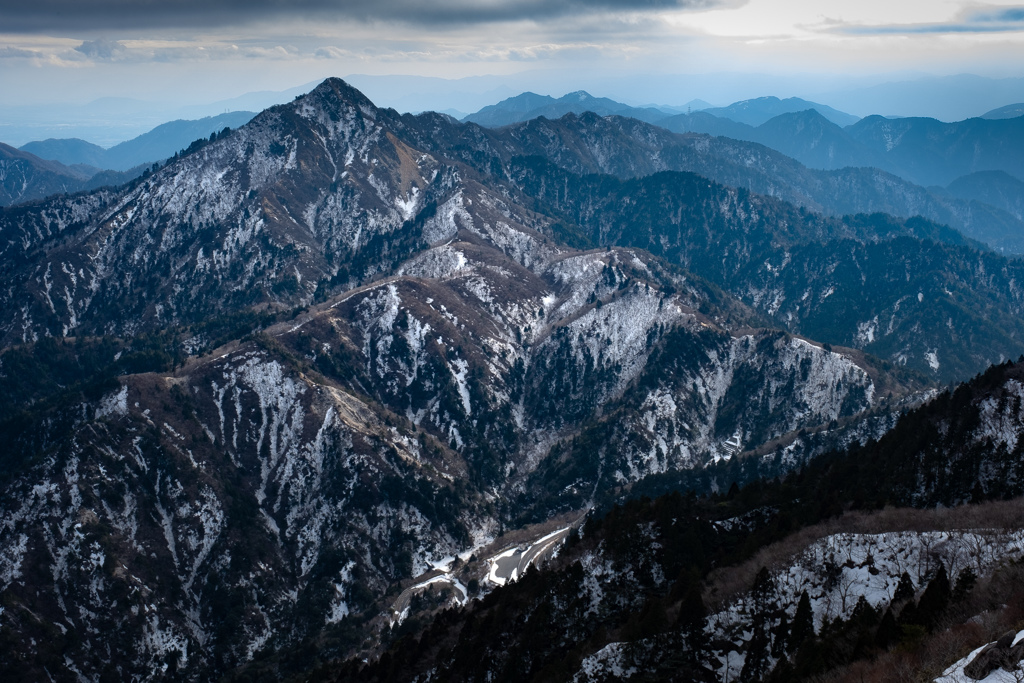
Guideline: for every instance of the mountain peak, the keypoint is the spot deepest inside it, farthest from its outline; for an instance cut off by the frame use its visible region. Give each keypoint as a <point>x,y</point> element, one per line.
<point>578,96</point>
<point>337,90</point>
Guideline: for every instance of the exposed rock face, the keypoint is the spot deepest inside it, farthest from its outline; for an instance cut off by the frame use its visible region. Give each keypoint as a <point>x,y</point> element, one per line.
<point>1002,654</point>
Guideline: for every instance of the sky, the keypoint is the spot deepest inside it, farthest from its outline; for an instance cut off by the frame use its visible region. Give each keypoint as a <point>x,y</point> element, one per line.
<point>190,52</point>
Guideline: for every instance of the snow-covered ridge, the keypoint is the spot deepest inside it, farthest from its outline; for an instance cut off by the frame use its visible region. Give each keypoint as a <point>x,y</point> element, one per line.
<point>836,572</point>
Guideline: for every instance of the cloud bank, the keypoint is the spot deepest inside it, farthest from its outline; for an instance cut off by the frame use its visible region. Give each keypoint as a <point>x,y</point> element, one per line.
<point>18,16</point>
<point>995,20</point>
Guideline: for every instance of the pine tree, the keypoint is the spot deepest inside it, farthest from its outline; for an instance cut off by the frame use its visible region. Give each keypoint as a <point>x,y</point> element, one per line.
<point>863,613</point>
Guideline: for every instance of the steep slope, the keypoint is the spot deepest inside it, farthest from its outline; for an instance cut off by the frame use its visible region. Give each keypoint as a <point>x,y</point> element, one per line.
<point>374,343</point>
<point>313,204</point>
<point>24,177</point>
<point>930,152</point>
<point>859,282</point>
<point>995,188</point>
<point>259,501</point>
<point>305,194</point>
<point>780,580</point>
<point>251,500</point>
<point>628,148</point>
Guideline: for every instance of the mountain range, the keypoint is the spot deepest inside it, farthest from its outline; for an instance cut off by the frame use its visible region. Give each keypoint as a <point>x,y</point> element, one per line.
<point>924,151</point>
<point>156,145</point>
<point>291,400</point>
<point>25,177</point>
<point>529,105</point>
<point>991,216</point>
<point>41,169</point>
<point>753,112</point>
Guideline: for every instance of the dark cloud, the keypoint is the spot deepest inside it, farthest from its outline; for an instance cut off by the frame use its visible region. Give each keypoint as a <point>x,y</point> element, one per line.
<point>77,15</point>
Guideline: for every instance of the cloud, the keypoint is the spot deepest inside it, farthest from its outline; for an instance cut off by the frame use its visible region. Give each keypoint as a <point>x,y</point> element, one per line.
<point>1003,20</point>
<point>1009,14</point>
<point>136,52</point>
<point>17,53</point>
<point>103,50</point>
<point>78,15</point>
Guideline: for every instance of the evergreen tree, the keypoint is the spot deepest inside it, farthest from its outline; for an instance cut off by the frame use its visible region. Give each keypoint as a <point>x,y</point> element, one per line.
<point>803,624</point>
<point>888,633</point>
<point>964,583</point>
<point>780,638</point>
<point>935,599</point>
<point>862,627</point>
<point>904,589</point>
<point>863,613</point>
<point>758,656</point>
<point>692,624</point>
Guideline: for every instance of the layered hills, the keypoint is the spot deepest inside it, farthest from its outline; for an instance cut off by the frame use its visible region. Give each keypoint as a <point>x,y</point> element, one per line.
<point>921,150</point>
<point>158,144</point>
<point>61,166</point>
<point>252,396</point>
<point>25,177</point>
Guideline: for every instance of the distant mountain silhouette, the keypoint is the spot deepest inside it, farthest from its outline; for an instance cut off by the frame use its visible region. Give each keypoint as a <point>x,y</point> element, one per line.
<point>924,151</point>
<point>25,177</point>
<point>930,152</point>
<point>1010,111</point>
<point>759,110</point>
<point>528,105</point>
<point>156,145</point>
<point>67,151</point>
<point>998,188</point>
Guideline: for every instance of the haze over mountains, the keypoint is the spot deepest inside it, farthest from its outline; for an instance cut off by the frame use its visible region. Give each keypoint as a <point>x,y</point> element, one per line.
<point>529,105</point>
<point>923,151</point>
<point>286,399</point>
<point>46,167</point>
<point>156,145</point>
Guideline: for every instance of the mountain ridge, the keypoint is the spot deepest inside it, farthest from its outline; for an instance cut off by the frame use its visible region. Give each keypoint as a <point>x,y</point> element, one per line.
<point>156,145</point>
<point>528,105</point>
